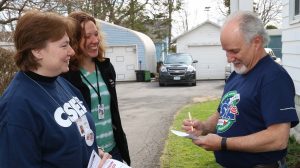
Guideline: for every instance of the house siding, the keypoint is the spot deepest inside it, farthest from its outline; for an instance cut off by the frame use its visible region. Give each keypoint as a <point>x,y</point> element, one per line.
<point>123,37</point>
<point>119,36</point>
<point>207,35</point>
<point>291,56</point>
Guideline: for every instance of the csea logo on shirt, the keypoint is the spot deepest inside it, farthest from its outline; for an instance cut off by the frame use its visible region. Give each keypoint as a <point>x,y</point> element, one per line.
<point>70,112</point>
<point>228,111</point>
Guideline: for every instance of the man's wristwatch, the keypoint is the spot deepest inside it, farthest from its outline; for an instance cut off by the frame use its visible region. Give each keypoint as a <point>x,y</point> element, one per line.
<point>223,144</point>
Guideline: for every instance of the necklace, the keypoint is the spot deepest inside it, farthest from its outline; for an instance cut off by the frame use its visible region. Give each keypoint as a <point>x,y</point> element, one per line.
<point>96,90</point>
<point>69,95</point>
<point>82,122</point>
<point>43,89</point>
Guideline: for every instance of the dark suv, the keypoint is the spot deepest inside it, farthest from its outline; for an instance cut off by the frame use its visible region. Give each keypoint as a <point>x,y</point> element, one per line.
<point>178,68</point>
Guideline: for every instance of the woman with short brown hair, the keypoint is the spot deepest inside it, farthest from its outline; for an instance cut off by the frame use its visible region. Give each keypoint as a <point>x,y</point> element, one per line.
<point>44,121</point>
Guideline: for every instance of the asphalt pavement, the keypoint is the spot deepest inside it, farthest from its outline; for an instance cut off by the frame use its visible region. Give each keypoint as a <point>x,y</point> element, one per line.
<point>147,112</point>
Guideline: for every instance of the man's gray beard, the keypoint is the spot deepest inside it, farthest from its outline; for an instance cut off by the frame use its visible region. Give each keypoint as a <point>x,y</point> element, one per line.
<point>242,70</point>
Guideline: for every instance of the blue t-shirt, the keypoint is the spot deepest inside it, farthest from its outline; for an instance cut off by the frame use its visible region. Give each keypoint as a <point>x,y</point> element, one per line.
<point>38,125</point>
<point>252,102</point>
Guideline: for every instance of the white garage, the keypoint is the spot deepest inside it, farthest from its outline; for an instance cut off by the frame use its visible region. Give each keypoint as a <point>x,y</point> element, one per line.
<point>211,63</point>
<point>124,59</point>
<point>203,43</point>
<point>128,51</point>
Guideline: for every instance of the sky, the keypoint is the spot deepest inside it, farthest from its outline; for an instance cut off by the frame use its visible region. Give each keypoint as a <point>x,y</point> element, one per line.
<point>196,14</point>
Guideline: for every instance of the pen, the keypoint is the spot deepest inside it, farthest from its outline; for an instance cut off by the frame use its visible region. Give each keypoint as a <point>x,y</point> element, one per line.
<point>190,117</point>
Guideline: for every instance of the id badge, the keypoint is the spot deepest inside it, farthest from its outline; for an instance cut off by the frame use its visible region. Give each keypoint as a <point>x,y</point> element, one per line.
<point>100,111</point>
<point>83,125</point>
<point>89,137</point>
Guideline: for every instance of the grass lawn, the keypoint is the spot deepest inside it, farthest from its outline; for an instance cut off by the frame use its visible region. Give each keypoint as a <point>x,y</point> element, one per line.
<point>181,152</point>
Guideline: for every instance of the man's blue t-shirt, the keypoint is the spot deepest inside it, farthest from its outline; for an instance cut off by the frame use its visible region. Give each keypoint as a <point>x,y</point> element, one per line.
<point>252,102</point>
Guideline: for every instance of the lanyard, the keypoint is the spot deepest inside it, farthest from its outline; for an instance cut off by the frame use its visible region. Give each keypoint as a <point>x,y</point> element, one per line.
<point>96,90</point>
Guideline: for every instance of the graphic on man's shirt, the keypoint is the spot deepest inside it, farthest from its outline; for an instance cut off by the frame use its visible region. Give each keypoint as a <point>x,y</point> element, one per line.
<point>228,111</point>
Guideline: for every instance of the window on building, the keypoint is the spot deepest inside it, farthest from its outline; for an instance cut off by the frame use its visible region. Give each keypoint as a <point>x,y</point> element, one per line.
<point>294,11</point>
<point>297,7</point>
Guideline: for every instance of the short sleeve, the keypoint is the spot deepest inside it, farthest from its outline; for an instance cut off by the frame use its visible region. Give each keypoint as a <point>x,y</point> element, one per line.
<point>277,101</point>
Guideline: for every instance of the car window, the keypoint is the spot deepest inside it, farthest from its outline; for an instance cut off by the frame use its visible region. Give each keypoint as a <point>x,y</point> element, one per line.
<point>178,59</point>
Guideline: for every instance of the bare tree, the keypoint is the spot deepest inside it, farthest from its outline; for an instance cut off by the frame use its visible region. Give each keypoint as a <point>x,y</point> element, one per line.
<point>172,6</point>
<point>11,10</point>
<point>224,7</point>
<point>182,21</point>
<point>128,13</point>
<point>185,23</point>
<point>268,10</point>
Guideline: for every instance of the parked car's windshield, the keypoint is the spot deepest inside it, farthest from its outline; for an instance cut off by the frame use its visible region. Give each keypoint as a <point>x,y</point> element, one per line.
<point>178,59</point>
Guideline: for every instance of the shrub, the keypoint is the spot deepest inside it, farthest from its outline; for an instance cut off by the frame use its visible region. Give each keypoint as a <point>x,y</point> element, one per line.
<point>293,153</point>
<point>7,68</point>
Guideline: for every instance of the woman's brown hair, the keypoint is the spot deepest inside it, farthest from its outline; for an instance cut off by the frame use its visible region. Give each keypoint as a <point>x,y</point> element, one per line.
<point>33,30</point>
<point>80,19</point>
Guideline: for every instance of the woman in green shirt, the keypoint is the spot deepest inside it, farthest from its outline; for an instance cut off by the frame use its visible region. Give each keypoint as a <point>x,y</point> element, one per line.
<point>94,76</point>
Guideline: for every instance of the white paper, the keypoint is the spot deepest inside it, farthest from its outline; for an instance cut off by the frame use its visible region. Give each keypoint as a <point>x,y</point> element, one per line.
<point>112,163</point>
<point>109,163</point>
<point>183,134</point>
<point>94,160</point>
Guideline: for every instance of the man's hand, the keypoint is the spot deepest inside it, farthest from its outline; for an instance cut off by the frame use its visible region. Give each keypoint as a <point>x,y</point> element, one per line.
<point>210,142</point>
<point>193,127</point>
<point>201,127</point>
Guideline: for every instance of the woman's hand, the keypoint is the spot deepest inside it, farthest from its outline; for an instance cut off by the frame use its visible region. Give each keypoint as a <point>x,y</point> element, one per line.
<point>104,156</point>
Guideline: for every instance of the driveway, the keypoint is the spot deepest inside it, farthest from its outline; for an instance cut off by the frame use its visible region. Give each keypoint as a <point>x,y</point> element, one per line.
<point>147,112</point>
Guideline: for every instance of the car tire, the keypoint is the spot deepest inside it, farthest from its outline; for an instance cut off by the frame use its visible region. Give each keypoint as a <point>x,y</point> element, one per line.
<point>161,84</point>
<point>194,84</point>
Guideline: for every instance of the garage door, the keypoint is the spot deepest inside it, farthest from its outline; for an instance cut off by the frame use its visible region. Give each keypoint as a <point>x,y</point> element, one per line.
<point>124,60</point>
<point>211,61</point>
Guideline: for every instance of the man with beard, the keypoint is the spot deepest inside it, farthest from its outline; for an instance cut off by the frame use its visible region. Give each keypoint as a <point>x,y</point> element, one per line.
<point>257,109</point>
